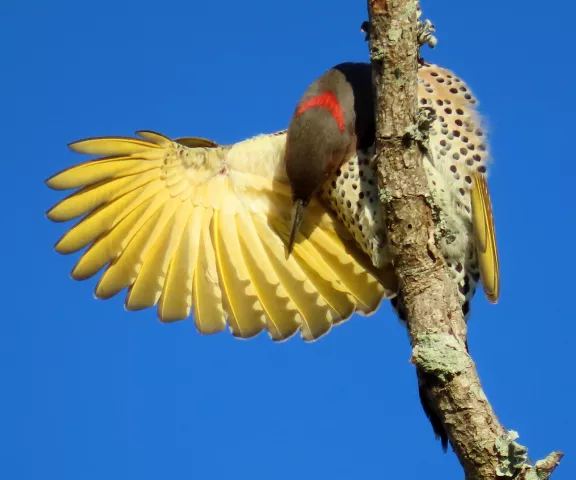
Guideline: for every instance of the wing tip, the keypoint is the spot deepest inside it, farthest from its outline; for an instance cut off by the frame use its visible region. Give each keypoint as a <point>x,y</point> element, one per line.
<point>83,146</point>
<point>52,214</point>
<point>75,145</point>
<point>154,137</point>
<point>51,183</point>
<point>493,295</point>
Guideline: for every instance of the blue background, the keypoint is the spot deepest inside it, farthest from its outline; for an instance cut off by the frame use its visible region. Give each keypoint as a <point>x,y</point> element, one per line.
<point>89,391</point>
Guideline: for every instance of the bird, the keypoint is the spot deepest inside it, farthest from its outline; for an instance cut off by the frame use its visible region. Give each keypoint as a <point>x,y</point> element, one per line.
<point>329,124</point>
<point>201,229</point>
<point>455,164</point>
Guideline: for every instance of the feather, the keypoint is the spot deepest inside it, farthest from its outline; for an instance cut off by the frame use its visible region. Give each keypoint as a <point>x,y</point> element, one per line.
<point>154,137</point>
<point>176,299</point>
<point>111,146</point>
<point>206,291</point>
<point>93,196</point>
<point>282,316</point>
<point>104,218</point>
<point>245,313</point>
<point>150,281</point>
<point>124,269</point>
<point>316,314</point>
<point>484,231</point>
<point>89,173</point>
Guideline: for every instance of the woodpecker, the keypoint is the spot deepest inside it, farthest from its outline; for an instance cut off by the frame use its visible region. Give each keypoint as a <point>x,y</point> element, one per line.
<point>455,164</point>
<point>196,228</point>
<point>325,131</point>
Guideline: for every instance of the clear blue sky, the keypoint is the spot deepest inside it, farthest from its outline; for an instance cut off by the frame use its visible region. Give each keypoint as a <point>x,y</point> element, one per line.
<point>90,391</point>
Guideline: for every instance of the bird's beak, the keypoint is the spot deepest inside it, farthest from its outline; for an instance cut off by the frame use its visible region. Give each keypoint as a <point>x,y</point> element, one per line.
<point>298,211</point>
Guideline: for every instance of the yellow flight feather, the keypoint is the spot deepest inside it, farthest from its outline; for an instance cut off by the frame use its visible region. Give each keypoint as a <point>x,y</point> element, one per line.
<point>282,316</point>
<point>176,299</point>
<point>124,269</point>
<point>111,146</point>
<point>245,313</point>
<point>156,138</point>
<point>209,313</point>
<point>146,290</point>
<point>95,171</point>
<point>91,197</point>
<point>485,235</point>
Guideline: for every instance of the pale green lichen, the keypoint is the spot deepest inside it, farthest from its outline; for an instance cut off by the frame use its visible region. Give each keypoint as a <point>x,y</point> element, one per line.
<point>394,34</point>
<point>511,455</point>
<point>535,474</point>
<point>426,28</point>
<point>443,230</point>
<point>440,355</point>
<point>385,196</point>
<point>420,131</point>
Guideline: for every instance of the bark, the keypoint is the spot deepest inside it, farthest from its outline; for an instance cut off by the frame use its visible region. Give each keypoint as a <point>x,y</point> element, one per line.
<point>447,375</point>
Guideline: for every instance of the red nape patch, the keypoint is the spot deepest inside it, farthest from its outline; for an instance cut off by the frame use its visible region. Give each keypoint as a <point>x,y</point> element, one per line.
<point>328,101</point>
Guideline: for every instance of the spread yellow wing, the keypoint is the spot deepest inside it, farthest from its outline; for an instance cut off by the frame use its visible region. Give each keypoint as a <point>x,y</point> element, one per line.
<point>485,236</point>
<point>197,228</point>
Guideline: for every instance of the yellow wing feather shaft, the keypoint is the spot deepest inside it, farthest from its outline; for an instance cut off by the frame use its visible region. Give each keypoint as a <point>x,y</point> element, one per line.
<point>199,229</point>
<point>485,236</point>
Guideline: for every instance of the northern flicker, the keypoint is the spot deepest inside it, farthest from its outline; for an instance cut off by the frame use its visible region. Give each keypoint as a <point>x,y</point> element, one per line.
<point>324,132</point>
<point>455,166</point>
<point>198,228</point>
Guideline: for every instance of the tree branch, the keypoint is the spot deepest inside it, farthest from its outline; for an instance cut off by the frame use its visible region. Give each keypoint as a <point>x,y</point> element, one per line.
<point>449,384</point>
